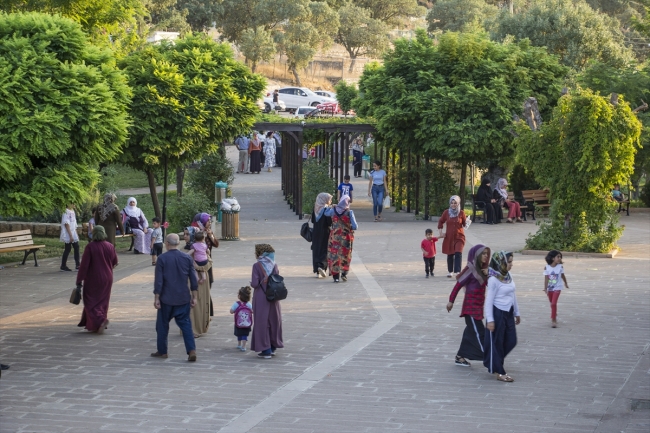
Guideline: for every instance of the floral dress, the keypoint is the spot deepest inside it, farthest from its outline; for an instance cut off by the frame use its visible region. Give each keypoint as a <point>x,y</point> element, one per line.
<point>269,153</point>
<point>339,249</point>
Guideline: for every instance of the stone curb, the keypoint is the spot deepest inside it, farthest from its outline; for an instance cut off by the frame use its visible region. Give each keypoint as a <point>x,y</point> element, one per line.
<point>576,254</point>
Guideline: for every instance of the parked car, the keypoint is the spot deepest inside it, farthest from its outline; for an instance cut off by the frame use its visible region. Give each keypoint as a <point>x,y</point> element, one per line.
<point>306,111</point>
<point>266,104</point>
<point>326,94</point>
<point>332,108</point>
<point>295,97</point>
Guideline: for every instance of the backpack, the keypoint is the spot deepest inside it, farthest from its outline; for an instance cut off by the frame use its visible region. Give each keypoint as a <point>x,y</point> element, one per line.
<point>275,288</point>
<point>243,316</point>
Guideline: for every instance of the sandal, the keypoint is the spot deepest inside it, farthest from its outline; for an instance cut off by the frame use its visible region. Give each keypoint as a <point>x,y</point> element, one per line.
<point>509,221</point>
<point>376,219</point>
<point>504,378</point>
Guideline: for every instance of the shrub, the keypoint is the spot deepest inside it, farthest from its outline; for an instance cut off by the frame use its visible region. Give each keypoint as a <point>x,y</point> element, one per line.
<point>315,179</point>
<point>645,194</point>
<point>182,209</point>
<point>213,168</point>
<point>521,180</point>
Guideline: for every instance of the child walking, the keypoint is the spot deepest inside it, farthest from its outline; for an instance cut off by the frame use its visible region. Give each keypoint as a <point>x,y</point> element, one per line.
<point>345,188</point>
<point>552,286</point>
<point>243,311</point>
<point>199,252</point>
<point>428,247</point>
<point>156,241</point>
<point>70,238</point>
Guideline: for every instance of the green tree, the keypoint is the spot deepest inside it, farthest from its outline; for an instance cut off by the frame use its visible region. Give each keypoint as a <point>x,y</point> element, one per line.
<point>569,28</point>
<point>642,24</point>
<point>189,97</point>
<point>345,94</point>
<point>392,12</point>
<point>633,82</point>
<point>460,15</point>
<point>360,34</point>
<point>595,141</point>
<point>165,15</point>
<point>200,13</point>
<point>455,100</point>
<point>257,45</point>
<point>304,35</point>
<point>63,111</point>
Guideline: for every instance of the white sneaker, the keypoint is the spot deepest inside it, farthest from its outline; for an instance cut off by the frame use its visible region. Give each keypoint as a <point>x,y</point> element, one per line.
<point>449,275</point>
<point>321,273</point>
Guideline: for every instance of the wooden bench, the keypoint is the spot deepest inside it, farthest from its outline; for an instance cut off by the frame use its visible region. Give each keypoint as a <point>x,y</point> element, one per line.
<point>534,198</point>
<point>20,240</point>
<point>625,202</point>
<point>480,205</point>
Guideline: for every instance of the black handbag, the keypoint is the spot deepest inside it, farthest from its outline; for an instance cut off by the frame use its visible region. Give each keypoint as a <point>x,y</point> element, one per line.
<point>75,296</point>
<point>306,231</point>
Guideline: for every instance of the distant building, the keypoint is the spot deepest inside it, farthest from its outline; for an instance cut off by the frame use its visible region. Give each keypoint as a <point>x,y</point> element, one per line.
<point>162,36</point>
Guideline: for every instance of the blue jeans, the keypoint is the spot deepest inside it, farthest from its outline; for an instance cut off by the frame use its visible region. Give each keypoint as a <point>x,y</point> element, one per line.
<point>181,313</point>
<point>377,199</point>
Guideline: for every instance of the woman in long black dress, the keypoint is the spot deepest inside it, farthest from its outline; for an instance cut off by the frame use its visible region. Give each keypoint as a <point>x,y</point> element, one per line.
<point>320,234</point>
<point>493,211</point>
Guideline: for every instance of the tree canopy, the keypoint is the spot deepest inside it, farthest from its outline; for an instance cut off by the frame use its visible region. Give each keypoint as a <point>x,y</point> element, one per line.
<point>63,111</point>
<point>188,97</point>
<point>455,100</point>
<point>586,148</point>
<point>360,34</point>
<point>569,28</point>
<point>460,15</point>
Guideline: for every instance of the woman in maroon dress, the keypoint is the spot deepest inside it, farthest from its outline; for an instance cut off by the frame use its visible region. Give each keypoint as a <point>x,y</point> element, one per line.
<point>267,316</point>
<point>96,275</point>
<point>454,241</point>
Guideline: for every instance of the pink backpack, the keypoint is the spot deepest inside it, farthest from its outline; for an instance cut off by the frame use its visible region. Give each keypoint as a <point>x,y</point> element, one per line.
<point>243,316</point>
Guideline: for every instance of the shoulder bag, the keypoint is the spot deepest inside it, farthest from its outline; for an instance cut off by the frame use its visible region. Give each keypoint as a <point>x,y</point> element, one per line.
<point>306,231</point>
<point>275,288</point>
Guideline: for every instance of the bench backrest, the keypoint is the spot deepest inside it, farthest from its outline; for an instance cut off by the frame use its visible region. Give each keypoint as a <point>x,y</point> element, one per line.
<point>535,195</point>
<point>15,239</point>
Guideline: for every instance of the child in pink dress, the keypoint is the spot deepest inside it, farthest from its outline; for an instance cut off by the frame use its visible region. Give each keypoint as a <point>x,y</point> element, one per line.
<point>199,252</point>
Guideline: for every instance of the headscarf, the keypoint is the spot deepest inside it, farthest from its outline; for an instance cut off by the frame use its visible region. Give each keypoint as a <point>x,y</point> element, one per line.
<point>474,265</point>
<point>321,201</point>
<point>453,213</point>
<point>501,184</point>
<point>132,211</point>
<point>499,266</point>
<point>191,230</point>
<point>344,204</point>
<point>201,220</point>
<point>99,234</point>
<point>108,206</point>
<point>266,256</point>
<point>485,182</point>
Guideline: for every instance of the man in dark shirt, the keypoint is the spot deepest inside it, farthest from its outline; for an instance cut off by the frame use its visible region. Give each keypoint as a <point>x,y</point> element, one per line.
<point>172,299</point>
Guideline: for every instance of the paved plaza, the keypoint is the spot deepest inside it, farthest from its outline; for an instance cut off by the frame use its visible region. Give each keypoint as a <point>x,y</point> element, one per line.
<point>374,354</point>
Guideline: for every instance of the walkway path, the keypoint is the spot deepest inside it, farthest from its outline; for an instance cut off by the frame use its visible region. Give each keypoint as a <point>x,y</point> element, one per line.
<point>373,354</point>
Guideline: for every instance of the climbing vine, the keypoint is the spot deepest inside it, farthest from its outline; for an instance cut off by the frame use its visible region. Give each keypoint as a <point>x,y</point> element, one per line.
<point>586,148</point>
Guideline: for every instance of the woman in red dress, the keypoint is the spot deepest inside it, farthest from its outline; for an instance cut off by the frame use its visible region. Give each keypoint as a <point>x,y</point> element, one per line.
<point>96,275</point>
<point>454,237</point>
<point>339,247</point>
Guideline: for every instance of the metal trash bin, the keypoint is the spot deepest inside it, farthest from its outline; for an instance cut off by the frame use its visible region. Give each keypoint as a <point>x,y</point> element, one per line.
<point>365,165</point>
<point>230,226</point>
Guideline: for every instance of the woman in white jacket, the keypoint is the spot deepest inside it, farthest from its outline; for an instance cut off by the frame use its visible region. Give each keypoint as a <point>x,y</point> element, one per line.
<point>501,314</point>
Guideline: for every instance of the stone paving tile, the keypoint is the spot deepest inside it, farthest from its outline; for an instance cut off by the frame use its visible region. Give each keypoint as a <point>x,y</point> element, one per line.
<point>567,379</point>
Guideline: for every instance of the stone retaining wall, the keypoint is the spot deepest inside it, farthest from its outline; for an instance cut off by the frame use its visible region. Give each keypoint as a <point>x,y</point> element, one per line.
<point>39,229</point>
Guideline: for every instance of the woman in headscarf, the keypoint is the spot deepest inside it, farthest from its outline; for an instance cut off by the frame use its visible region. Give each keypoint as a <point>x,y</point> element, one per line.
<point>267,316</point>
<point>339,247</point>
<point>501,314</point>
<point>474,278</point>
<point>201,313</point>
<point>254,153</point>
<point>320,234</point>
<point>139,226</point>
<point>107,215</point>
<point>454,241</point>
<point>203,223</point>
<point>96,275</point>
<point>493,211</point>
<point>514,209</point>
<point>269,151</point>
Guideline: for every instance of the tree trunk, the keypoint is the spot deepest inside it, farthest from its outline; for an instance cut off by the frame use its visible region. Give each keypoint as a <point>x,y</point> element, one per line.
<point>154,194</point>
<point>180,176</point>
<point>253,67</point>
<point>353,61</point>
<point>463,175</point>
<point>294,71</point>
<point>511,6</point>
<point>494,173</point>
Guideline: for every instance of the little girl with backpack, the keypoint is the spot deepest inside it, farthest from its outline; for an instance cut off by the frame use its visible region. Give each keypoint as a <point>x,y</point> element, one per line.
<point>243,311</point>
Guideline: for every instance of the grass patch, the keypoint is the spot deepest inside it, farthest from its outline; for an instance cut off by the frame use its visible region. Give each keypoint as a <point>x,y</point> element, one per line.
<point>53,248</point>
<point>126,177</point>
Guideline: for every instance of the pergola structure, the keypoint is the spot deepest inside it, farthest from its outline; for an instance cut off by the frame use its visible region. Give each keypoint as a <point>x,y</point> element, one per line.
<point>338,137</point>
